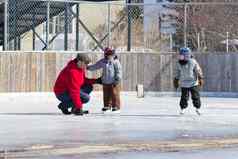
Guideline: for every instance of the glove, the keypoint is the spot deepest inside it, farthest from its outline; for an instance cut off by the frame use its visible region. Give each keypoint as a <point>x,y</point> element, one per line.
<point>98,80</point>
<point>116,82</point>
<point>176,83</point>
<point>200,82</point>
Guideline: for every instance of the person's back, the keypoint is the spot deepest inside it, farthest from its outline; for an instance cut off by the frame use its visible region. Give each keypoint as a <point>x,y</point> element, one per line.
<point>62,83</point>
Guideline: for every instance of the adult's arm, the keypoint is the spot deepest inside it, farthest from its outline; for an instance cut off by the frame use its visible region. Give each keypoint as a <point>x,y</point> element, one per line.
<point>75,83</point>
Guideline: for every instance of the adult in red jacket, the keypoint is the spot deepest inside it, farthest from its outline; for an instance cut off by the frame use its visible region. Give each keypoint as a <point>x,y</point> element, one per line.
<point>72,88</point>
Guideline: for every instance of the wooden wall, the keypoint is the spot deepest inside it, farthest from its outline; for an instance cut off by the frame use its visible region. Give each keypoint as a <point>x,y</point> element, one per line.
<point>33,72</point>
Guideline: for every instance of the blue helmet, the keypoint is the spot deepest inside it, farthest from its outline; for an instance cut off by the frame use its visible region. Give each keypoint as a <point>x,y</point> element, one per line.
<point>184,51</point>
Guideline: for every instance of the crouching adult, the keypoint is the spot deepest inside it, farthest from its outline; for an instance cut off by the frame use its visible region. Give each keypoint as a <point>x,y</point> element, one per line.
<point>72,87</point>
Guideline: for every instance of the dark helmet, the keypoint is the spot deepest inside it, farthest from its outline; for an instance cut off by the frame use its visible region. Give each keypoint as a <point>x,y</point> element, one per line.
<point>108,51</point>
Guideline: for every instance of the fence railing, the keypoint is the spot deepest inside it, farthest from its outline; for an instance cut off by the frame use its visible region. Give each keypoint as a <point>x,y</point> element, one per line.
<point>72,25</point>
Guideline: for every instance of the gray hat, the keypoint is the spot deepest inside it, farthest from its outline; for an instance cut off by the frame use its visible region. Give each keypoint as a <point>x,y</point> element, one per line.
<point>83,57</point>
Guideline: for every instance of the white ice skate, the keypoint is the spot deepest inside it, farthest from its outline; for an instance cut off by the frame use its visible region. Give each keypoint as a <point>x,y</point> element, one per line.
<point>198,111</point>
<point>182,111</point>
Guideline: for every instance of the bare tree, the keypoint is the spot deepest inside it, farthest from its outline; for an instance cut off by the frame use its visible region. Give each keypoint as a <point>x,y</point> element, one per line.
<point>209,23</point>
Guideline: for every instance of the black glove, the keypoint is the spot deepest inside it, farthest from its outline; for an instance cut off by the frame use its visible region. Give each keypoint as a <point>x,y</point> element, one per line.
<point>116,82</point>
<point>98,80</point>
<point>200,82</point>
<point>176,83</point>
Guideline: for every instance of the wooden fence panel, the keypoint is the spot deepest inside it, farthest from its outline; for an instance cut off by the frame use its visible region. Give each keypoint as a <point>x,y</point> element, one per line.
<point>25,72</point>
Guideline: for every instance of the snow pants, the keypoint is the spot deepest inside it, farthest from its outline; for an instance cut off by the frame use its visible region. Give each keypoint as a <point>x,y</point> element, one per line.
<point>195,97</point>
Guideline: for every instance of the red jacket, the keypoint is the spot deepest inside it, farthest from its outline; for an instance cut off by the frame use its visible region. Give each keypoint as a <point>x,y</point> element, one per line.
<point>70,80</point>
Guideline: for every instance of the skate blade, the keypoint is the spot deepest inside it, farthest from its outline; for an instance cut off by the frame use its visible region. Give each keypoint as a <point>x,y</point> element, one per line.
<point>112,113</point>
<point>182,112</point>
<point>198,113</point>
<point>116,112</point>
<point>106,112</point>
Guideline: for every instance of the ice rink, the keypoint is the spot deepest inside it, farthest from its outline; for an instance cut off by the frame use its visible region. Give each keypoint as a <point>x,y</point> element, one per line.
<point>150,127</point>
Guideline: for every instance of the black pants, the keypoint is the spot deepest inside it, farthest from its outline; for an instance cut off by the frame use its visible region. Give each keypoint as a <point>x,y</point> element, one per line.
<point>195,97</point>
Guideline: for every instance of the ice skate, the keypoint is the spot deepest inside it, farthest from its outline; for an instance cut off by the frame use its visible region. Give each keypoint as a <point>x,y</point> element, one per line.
<point>116,110</point>
<point>106,110</point>
<point>182,111</point>
<point>198,111</point>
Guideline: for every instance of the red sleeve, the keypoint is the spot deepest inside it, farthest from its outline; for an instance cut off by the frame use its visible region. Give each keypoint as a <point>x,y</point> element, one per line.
<point>89,81</point>
<point>75,83</point>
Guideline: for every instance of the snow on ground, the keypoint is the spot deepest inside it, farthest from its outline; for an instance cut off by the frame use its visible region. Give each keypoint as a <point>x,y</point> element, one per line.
<point>30,123</point>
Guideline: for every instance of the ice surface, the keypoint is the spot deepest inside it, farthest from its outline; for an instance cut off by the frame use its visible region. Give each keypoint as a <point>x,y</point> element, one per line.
<point>30,120</point>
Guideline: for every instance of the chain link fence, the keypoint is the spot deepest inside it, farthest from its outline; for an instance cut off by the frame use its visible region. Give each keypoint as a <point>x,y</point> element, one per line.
<point>83,26</point>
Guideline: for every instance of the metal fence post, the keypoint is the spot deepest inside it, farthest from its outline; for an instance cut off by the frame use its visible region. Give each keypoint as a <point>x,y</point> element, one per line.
<point>77,27</point>
<point>185,25</point>
<point>227,42</point>
<point>129,26</point>
<point>19,42</point>
<point>5,45</point>
<point>34,32</point>
<point>66,26</point>
<point>15,23</point>
<point>47,25</point>
<point>109,24</point>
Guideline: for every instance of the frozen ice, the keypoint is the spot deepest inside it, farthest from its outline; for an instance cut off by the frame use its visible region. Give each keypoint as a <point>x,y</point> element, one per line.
<point>31,122</point>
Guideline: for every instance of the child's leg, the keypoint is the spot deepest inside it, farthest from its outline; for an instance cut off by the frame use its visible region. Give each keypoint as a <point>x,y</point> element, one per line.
<point>110,98</point>
<point>196,97</point>
<point>107,95</point>
<point>116,101</point>
<point>184,98</point>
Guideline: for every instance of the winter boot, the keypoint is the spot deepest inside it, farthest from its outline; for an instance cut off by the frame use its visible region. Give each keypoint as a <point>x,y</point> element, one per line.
<point>81,112</point>
<point>64,109</point>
